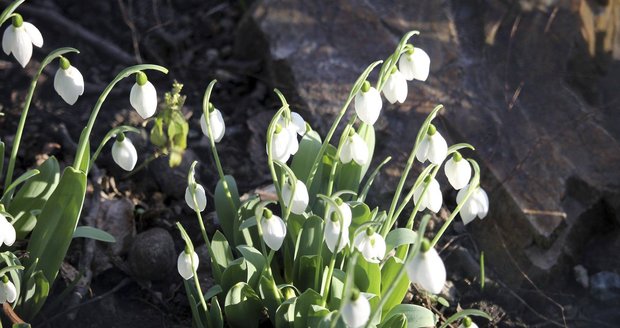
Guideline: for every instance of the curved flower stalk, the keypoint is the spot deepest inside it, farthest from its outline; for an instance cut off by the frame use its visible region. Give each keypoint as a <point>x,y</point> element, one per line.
<point>415,64</point>
<point>368,104</point>
<point>19,38</point>
<point>187,263</point>
<point>477,205</point>
<point>371,245</point>
<point>458,171</point>
<point>356,310</point>
<point>124,153</point>
<point>427,269</point>
<point>433,147</point>
<point>68,82</point>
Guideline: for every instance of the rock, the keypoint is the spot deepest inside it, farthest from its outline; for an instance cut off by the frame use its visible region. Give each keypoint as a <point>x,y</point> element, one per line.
<point>581,276</point>
<point>512,81</point>
<point>115,217</point>
<point>605,286</point>
<point>152,256</point>
<point>174,181</point>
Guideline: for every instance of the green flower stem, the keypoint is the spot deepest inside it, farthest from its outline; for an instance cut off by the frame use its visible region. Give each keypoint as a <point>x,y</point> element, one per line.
<point>197,283</point>
<point>8,12</point>
<point>332,262</point>
<point>22,120</point>
<point>270,131</point>
<point>473,184</point>
<point>85,136</point>
<point>203,231</point>
<point>285,170</point>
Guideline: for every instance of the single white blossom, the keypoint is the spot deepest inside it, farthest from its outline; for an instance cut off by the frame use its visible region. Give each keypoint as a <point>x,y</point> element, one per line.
<point>356,312</point>
<point>8,293</point>
<point>432,147</point>
<point>476,205</point>
<point>300,197</point>
<point>18,39</point>
<point>371,245</point>
<point>468,323</point>
<point>201,198</point>
<point>354,148</point>
<point>334,224</point>
<point>368,104</point>
<point>458,171</point>
<point>124,153</point>
<point>7,232</point>
<point>216,121</point>
<point>298,123</point>
<point>68,82</point>
<point>184,264</point>
<point>432,199</point>
<point>415,64</point>
<point>427,270</point>
<point>280,144</point>
<point>274,230</point>
<point>143,96</point>
<point>395,88</point>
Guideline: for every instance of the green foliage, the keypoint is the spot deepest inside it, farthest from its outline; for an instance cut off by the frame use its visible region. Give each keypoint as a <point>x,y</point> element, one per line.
<point>170,129</point>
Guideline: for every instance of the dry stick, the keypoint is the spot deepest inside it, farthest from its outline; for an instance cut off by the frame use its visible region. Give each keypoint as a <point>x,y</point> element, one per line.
<point>8,311</point>
<point>68,27</point>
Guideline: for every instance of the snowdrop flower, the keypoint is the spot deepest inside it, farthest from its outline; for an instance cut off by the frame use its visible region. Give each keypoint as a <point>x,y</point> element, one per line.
<point>297,123</point>
<point>432,147</point>
<point>356,312</point>
<point>201,197</point>
<point>334,224</point>
<point>68,82</point>
<point>427,269</point>
<point>432,199</point>
<point>143,96</point>
<point>395,88</point>
<point>354,148</point>
<point>280,144</point>
<point>124,153</point>
<point>300,197</point>
<point>274,230</point>
<point>8,293</point>
<point>468,323</point>
<point>187,263</point>
<point>476,205</point>
<point>7,232</point>
<point>368,104</point>
<point>216,121</point>
<point>415,64</point>
<point>458,171</point>
<point>371,245</point>
<point>19,38</point>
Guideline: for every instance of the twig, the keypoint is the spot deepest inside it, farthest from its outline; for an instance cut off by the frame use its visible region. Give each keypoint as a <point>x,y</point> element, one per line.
<point>132,27</point>
<point>8,311</point>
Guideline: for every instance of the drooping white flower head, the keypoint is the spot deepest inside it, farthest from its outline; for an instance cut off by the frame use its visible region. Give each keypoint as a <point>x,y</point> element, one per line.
<point>184,264</point>
<point>68,82</point>
<point>458,171</point>
<point>201,198</point>
<point>8,293</point>
<point>468,323</point>
<point>371,245</point>
<point>476,205</point>
<point>19,38</point>
<point>415,64</point>
<point>354,148</point>
<point>274,230</point>
<point>356,311</point>
<point>280,144</point>
<point>432,147</point>
<point>7,232</point>
<point>300,197</point>
<point>334,224</point>
<point>298,123</point>
<point>427,269</point>
<point>294,126</point>
<point>216,121</point>
<point>124,153</point>
<point>368,104</point>
<point>395,88</point>
<point>432,199</point>
<point>143,96</point>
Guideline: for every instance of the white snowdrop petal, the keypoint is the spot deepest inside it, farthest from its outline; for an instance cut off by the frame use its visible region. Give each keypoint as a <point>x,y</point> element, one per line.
<point>428,271</point>
<point>458,173</point>
<point>143,99</point>
<point>434,197</point>
<point>332,233</point>
<point>293,144</point>
<point>33,32</point>
<point>8,40</point>
<point>22,48</point>
<point>124,154</point>
<point>280,147</point>
<point>368,105</point>
<point>359,150</point>
<point>421,64</point>
<point>274,231</point>
<point>395,88</point>
<point>356,313</point>
<point>10,292</point>
<point>422,153</point>
<point>184,264</point>
<point>484,203</point>
<point>218,127</point>
<point>201,198</point>
<point>300,198</point>
<point>69,84</point>
<point>437,148</point>
<point>405,66</point>
<point>472,325</point>
<point>298,122</point>
<point>345,210</point>
<point>346,152</point>
<point>8,233</point>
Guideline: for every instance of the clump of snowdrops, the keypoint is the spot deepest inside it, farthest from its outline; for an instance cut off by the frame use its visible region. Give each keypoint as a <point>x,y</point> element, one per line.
<point>319,256</point>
